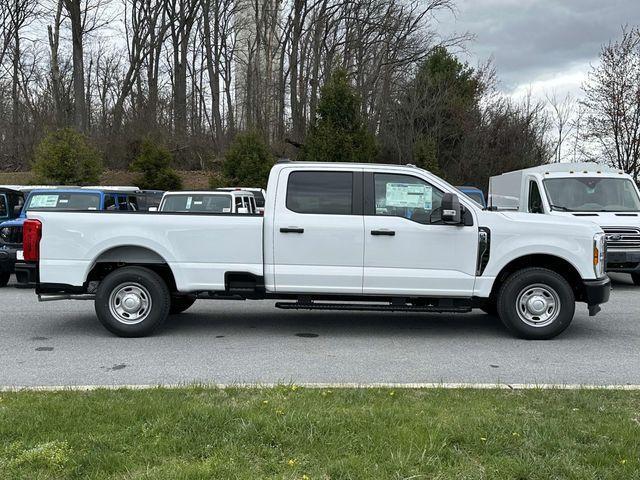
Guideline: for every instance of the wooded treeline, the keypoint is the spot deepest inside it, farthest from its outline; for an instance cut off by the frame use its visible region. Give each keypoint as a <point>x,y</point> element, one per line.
<point>193,73</point>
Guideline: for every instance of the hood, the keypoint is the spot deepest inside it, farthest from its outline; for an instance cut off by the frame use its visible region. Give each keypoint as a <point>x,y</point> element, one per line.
<point>552,221</point>
<point>603,219</point>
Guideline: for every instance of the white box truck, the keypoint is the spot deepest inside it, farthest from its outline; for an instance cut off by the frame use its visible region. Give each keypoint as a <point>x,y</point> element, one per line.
<point>589,191</point>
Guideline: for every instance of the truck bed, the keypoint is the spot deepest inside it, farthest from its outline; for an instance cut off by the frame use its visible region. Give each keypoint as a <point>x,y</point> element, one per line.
<point>200,248</point>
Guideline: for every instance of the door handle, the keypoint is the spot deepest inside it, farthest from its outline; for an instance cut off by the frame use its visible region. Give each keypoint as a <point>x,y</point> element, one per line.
<point>292,230</point>
<point>385,232</point>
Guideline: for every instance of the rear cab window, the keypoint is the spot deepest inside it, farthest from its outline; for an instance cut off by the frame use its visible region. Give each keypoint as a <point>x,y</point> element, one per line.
<point>197,203</point>
<point>64,201</point>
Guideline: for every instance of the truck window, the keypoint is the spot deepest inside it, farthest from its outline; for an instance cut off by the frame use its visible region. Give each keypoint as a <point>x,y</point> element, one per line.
<point>4,207</point>
<point>238,203</point>
<point>327,193</point>
<point>535,200</point>
<point>65,201</point>
<point>252,202</point>
<point>408,197</point>
<point>110,202</point>
<point>197,203</point>
<point>259,198</point>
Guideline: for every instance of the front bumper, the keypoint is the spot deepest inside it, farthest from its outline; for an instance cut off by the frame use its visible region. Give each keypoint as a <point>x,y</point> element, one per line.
<point>623,261</point>
<point>7,260</point>
<point>596,292</point>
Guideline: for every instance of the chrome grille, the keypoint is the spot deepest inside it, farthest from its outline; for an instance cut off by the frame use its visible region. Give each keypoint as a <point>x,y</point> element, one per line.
<point>11,235</point>
<point>622,237</point>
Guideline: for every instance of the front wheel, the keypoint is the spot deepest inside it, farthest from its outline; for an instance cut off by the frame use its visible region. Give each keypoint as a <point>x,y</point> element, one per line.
<point>536,303</point>
<point>4,279</point>
<point>132,301</point>
<point>636,278</point>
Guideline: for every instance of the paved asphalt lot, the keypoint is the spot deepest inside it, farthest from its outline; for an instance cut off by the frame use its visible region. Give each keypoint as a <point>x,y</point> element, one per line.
<point>62,343</point>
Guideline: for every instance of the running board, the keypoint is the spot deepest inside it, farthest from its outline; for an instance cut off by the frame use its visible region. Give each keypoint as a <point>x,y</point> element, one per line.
<point>371,307</point>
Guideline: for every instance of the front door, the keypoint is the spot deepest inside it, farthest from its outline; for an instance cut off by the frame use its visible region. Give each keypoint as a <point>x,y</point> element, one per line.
<point>408,250</point>
<point>318,232</point>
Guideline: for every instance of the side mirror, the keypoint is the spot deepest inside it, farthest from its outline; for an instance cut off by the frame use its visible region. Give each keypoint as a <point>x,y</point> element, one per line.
<point>243,210</point>
<point>153,209</point>
<point>451,211</point>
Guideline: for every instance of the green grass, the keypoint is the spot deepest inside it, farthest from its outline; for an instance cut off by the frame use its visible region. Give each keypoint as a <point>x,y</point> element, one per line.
<point>295,433</point>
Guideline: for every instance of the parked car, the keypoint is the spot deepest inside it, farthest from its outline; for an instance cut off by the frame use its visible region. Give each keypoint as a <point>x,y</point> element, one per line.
<point>259,194</point>
<point>55,199</point>
<point>333,237</point>
<point>474,194</point>
<point>605,196</point>
<point>10,206</point>
<point>236,201</point>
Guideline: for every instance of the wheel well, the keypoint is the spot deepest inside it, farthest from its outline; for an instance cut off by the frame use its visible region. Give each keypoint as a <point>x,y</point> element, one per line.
<point>549,262</point>
<point>127,256</point>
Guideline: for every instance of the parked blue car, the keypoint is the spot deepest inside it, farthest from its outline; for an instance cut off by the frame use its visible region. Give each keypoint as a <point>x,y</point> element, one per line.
<point>474,194</point>
<point>75,199</point>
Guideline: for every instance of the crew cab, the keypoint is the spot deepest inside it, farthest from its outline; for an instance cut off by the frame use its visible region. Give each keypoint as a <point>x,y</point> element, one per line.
<point>334,237</point>
<point>587,191</point>
<point>208,202</point>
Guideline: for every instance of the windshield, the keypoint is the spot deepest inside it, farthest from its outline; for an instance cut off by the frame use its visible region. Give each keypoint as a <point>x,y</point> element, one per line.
<point>589,194</point>
<point>64,201</point>
<point>197,203</point>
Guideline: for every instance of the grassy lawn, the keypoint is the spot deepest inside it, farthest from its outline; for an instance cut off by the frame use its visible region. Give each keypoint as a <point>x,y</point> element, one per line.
<point>296,433</point>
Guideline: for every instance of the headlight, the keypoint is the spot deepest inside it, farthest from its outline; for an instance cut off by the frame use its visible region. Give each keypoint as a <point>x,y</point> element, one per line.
<point>599,254</point>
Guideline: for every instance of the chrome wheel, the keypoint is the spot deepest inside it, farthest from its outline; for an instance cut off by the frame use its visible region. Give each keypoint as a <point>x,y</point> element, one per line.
<point>130,303</point>
<point>538,305</point>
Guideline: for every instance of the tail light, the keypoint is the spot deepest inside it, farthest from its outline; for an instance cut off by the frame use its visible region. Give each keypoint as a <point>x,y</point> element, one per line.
<point>31,235</point>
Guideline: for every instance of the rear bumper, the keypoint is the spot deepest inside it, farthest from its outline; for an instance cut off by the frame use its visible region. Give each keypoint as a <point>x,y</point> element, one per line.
<point>596,292</point>
<point>26,274</point>
<point>623,261</point>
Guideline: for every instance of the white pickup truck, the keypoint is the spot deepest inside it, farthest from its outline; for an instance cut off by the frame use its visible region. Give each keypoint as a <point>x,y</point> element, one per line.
<point>333,237</point>
<point>587,191</point>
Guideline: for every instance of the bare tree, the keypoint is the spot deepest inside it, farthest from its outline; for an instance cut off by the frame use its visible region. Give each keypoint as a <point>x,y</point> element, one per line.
<point>612,102</point>
<point>562,113</point>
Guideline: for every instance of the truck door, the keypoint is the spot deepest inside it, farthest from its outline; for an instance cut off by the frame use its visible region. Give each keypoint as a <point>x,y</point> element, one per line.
<point>408,250</point>
<point>318,232</point>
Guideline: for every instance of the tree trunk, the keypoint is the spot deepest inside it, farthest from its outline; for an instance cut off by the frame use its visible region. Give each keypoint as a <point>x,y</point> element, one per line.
<point>75,15</point>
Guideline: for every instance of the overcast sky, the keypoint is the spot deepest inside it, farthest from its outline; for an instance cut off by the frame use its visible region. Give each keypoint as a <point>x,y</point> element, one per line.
<point>544,45</point>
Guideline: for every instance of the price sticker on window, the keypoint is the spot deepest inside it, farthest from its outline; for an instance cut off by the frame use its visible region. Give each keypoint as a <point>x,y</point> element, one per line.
<point>409,195</point>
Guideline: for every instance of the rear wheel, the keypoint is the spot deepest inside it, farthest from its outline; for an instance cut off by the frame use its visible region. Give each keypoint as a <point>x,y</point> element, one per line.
<point>4,279</point>
<point>636,278</point>
<point>180,304</point>
<point>132,302</point>
<point>536,303</point>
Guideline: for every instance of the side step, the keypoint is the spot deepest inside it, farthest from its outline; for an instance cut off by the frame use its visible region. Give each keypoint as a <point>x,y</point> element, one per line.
<point>364,307</point>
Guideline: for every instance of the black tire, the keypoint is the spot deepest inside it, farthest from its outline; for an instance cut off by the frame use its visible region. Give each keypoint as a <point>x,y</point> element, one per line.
<point>180,304</point>
<point>536,287</point>
<point>636,278</point>
<point>489,307</point>
<point>140,285</point>
<point>4,279</point>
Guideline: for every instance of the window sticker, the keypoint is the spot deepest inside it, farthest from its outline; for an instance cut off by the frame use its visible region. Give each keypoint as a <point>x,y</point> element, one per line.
<point>409,195</point>
<point>189,200</point>
<point>44,201</point>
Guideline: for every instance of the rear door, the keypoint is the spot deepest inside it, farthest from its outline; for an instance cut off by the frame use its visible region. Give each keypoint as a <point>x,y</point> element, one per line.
<point>318,232</point>
<point>408,250</point>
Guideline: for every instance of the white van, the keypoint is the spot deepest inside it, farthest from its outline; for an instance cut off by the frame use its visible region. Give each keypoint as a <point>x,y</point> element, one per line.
<point>208,202</point>
<point>603,195</point>
<point>259,194</point>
